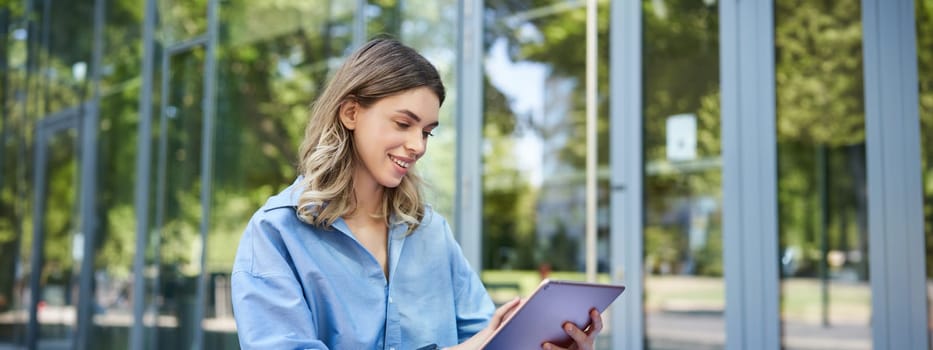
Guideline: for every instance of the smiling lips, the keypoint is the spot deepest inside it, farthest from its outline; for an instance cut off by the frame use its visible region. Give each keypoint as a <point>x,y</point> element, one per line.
<point>402,162</point>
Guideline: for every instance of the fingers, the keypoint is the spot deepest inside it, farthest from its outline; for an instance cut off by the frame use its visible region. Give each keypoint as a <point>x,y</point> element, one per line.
<point>505,310</point>
<point>511,312</point>
<point>549,346</point>
<point>494,323</point>
<point>596,322</point>
<point>582,340</point>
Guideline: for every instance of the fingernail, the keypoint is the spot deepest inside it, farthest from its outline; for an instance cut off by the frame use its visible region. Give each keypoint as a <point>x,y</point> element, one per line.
<point>568,328</point>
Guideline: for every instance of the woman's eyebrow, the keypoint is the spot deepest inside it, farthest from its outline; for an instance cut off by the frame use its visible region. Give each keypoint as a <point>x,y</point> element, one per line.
<point>414,116</point>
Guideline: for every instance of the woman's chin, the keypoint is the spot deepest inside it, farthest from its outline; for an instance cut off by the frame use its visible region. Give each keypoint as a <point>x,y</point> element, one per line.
<point>393,183</point>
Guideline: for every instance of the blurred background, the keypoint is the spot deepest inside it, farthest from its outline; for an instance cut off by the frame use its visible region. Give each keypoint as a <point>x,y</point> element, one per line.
<point>138,137</point>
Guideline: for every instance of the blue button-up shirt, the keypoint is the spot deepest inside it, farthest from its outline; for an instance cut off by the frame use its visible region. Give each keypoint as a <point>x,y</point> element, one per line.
<point>299,286</point>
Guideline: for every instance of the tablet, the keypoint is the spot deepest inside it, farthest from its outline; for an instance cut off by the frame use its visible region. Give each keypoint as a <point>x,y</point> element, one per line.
<point>541,317</point>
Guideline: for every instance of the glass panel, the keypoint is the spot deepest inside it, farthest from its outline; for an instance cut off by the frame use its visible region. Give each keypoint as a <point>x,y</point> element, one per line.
<point>122,49</point>
<point>385,16</point>
<point>425,26</point>
<point>175,243</point>
<point>38,61</point>
<point>273,60</point>
<point>116,230</point>
<point>924,13</point>
<point>62,42</point>
<point>121,80</point>
<point>684,289</point>
<point>181,20</point>
<point>534,147</point>
<point>822,203</point>
<point>15,201</point>
<point>62,244</point>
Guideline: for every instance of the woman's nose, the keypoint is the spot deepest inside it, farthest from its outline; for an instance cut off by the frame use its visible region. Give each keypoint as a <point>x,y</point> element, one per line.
<point>416,143</point>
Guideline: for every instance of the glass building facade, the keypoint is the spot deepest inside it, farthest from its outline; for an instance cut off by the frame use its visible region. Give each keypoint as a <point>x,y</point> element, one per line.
<point>762,170</point>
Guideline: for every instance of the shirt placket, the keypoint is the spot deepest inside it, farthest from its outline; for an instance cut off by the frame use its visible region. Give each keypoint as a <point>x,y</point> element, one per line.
<point>393,319</point>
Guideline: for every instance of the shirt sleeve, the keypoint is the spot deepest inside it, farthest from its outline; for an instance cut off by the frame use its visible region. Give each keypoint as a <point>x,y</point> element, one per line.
<point>474,307</point>
<point>268,304</point>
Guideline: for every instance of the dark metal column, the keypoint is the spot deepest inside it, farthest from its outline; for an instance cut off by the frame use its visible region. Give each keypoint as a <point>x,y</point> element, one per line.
<point>90,121</point>
<point>207,159</point>
<point>143,160</point>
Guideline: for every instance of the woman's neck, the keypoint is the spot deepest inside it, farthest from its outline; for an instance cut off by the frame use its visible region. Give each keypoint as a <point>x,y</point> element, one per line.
<point>368,199</point>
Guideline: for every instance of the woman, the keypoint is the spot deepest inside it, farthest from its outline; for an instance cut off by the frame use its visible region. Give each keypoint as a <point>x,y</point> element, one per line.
<point>349,256</point>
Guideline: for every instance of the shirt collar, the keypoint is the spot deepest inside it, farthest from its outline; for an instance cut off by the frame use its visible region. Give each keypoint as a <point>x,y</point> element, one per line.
<point>288,198</point>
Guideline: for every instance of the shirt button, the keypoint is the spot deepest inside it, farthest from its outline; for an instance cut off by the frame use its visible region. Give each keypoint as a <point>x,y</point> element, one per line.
<point>390,302</point>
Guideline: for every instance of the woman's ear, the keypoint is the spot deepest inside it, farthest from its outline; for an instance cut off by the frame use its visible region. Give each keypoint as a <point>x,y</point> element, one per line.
<point>349,111</point>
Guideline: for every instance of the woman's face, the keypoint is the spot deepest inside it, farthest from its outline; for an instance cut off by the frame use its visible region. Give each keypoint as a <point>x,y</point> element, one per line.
<point>391,135</point>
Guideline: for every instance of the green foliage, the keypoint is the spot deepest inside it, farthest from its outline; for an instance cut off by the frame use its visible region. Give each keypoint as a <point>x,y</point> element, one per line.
<point>508,198</point>
<point>821,132</point>
<point>561,252</point>
<point>180,20</point>
<point>819,72</point>
<point>116,251</point>
<point>709,256</point>
<point>681,75</point>
<point>389,18</point>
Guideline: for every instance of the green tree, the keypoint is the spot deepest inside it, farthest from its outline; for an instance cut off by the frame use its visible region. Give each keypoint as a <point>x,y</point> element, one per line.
<point>821,129</point>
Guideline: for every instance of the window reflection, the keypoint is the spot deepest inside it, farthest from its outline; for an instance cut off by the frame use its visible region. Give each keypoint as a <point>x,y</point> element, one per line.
<point>182,19</point>
<point>273,60</point>
<point>426,26</point>
<point>385,16</point>
<point>534,147</point>
<point>43,74</point>
<point>174,250</point>
<point>13,197</point>
<point>62,242</point>
<point>116,230</point>
<point>683,170</point>
<point>822,211</point>
<point>115,246</point>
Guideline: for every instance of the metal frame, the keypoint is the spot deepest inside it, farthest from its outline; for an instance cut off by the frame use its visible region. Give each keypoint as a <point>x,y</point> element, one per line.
<point>88,197</point>
<point>143,159</point>
<point>45,130</point>
<point>749,176</point>
<point>627,166</point>
<point>468,207</point>
<point>209,42</point>
<point>359,24</point>
<point>207,160</point>
<point>591,109</point>
<point>90,117</point>
<point>895,211</point>
<point>86,116</point>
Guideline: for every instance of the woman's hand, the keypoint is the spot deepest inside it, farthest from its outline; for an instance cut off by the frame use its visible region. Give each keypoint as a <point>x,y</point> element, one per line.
<point>502,313</point>
<point>583,340</point>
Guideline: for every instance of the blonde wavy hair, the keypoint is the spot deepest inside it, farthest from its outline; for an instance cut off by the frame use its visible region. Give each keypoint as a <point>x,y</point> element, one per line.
<point>328,158</point>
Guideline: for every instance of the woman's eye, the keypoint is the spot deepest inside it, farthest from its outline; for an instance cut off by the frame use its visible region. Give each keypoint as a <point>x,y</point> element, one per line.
<point>402,125</point>
<point>427,134</point>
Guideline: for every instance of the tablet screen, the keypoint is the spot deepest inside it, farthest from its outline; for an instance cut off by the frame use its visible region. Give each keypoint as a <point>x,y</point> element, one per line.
<point>541,317</point>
